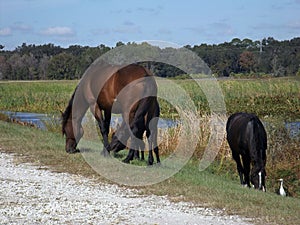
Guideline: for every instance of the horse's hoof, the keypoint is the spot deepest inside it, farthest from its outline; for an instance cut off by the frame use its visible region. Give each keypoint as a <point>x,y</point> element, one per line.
<point>150,163</point>
<point>73,151</point>
<point>126,161</point>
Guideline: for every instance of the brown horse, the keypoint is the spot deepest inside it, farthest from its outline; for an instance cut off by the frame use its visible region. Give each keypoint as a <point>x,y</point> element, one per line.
<point>106,89</point>
<point>120,137</point>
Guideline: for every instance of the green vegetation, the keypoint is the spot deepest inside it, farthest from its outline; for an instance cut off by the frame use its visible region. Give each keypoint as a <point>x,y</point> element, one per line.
<point>39,96</point>
<point>279,98</point>
<point>203,188</point>
<point>275,100</point>
<point>37,62</point>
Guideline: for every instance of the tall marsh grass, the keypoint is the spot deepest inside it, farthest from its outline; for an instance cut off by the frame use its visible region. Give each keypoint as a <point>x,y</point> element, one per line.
<point>266,97</point>
<point>283,153</point>
<point>275,101</point>
<point>38,96</point>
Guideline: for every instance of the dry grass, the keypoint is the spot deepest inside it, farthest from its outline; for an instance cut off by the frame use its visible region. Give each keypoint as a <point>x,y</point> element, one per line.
<point>207,188</point>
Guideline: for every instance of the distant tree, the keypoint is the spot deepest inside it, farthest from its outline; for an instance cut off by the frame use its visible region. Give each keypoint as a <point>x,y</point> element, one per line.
<point>19,69</point>
<point>31,64</point>
<point>4,68</point>
<point>247,61</point>
<point>247,43</point>
<point>43,67</point>
<point>48,61</point>
<point>236,42</point>
<point>119,43</point>
<point>62,66</point>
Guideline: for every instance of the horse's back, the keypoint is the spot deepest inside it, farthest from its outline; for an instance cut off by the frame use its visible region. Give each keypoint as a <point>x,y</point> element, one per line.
<point>244,128</point>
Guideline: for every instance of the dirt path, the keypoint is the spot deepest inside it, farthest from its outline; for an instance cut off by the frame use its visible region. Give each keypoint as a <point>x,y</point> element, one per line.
<point>33,195</point>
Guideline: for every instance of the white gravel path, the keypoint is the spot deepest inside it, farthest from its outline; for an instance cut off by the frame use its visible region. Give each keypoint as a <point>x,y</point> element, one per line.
<point>30,195</point>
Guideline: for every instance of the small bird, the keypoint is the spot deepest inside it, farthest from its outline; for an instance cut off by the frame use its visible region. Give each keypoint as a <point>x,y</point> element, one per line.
<point>281,190</point>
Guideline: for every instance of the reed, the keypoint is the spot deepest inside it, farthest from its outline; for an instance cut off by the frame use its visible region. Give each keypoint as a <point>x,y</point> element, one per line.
<point>275,101</point>
<point>266,97</point>
<point>205,188</point>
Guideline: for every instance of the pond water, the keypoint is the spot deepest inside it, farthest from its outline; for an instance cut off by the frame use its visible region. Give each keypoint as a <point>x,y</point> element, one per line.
<point>39,120</point>
<point>293,128</point>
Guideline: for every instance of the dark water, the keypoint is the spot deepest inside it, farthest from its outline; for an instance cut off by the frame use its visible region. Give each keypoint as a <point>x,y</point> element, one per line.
<point>37,119</point>
<point>40,120</point>
<point>293,128</point>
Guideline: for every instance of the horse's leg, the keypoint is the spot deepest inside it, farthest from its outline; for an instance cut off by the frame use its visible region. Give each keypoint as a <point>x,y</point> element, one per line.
<point>103,124</point>
<point>136,132</point>
<point>239,166</point>
<point>130,155</point>
<point>246,164</point>
<point>154,143</point>
<point>107,118</point>
<point>136,152</point>
<point>151,133</point>
<point>153,147</point>
<point>140,147</point>
<point>143,153</point>
<point>150,143</point>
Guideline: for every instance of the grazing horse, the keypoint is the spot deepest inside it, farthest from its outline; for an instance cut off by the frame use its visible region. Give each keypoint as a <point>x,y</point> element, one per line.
<point>247,137</point>
<point>107,89</point>
<point>120,137</point>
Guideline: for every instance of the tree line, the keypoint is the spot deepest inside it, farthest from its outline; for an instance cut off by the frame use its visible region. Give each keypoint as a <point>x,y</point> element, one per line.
<point>244,57</point>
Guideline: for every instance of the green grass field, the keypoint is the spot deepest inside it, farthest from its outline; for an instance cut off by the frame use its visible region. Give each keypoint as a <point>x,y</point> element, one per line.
<point>189,184</point>
<point>274,100</point>
<point>266,97</point>
<point>37,96</point>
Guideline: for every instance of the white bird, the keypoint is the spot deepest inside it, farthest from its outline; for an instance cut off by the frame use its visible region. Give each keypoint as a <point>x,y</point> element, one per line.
<point>281,190</point>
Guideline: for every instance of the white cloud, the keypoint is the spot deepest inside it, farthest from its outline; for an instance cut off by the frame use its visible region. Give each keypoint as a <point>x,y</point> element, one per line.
<point>5,31</point>
<point>58,31</point>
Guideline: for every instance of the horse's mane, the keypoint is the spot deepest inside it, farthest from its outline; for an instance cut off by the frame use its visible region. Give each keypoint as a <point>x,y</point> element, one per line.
<point>66,114</point>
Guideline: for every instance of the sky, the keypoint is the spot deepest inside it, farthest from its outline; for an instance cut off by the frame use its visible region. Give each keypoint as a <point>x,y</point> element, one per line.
<point>189,22</point>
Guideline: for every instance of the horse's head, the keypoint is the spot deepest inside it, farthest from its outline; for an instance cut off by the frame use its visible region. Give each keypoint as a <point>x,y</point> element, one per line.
<point>258,179</point>
<point>72,134</point>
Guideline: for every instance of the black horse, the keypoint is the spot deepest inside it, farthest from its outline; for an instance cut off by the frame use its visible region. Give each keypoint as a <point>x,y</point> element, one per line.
<point>148,124</point>
<point>247,137</point>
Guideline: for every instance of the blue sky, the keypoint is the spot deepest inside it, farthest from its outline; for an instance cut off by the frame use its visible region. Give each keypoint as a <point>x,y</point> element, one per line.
<point>95,22</point>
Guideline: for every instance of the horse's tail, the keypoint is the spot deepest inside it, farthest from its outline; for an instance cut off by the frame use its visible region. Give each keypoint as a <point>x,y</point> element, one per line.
<point>144,109</point>
<point>259,143</point>
<point>149,102</point>
<point>143,106</point>
<point>66,114</point>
